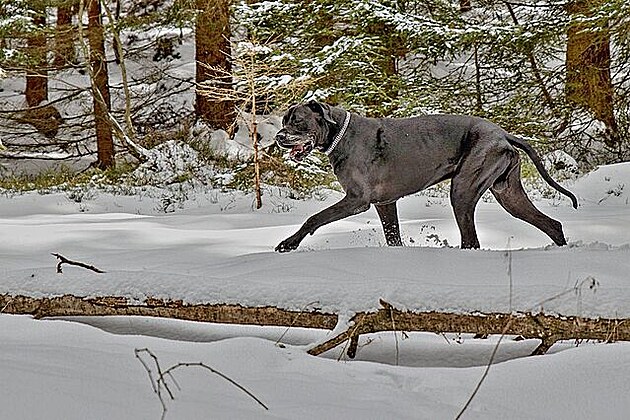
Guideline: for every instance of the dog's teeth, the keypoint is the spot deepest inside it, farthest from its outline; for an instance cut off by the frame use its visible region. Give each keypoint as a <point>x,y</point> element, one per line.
<point>296,152</point>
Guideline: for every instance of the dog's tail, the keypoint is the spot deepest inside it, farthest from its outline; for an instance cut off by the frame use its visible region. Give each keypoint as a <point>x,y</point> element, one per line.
<point>523,145</point>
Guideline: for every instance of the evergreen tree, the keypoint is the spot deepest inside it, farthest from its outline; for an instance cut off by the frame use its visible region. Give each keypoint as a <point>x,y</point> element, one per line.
<point>504,61</point>
<point>40,41</point>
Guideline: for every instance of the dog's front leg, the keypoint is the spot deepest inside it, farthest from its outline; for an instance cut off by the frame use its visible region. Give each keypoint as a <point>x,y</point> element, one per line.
<point>347,206</point>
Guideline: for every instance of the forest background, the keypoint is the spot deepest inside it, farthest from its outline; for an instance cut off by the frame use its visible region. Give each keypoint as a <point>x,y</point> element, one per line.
<point>98,83</point>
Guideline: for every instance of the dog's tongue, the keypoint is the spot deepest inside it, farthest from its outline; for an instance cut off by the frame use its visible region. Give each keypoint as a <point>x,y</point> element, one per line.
<point>297,152</point>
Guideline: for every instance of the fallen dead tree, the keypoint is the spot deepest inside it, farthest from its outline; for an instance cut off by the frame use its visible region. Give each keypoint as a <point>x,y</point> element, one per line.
<point>547,328</point>
<point>69,305</point>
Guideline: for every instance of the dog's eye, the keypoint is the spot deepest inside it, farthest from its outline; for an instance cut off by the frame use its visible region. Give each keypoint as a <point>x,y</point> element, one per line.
<point>300,124</point>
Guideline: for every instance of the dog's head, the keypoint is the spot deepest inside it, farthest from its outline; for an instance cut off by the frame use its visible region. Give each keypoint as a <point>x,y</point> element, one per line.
<point>305,127</point>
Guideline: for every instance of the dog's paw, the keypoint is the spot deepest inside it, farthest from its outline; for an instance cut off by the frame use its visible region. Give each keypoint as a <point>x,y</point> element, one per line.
<point>287,245</point>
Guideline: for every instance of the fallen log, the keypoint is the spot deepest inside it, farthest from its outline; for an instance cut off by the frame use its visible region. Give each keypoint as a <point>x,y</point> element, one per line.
<point>547,328</point>
<point>69,305</point>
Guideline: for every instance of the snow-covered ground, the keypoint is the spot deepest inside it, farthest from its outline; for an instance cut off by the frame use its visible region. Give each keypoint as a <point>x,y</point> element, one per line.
<point>217,249</point>
<point>62,370</point>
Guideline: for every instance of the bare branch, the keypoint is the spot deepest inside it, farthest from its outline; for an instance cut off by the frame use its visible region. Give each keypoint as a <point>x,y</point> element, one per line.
<point>297,316</point>
<point>123,71</point>
<point>64,260</point>
<point>159,380</point>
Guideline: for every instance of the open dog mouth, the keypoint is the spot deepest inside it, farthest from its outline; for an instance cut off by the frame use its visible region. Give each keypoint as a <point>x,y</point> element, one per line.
<point>300,151</point>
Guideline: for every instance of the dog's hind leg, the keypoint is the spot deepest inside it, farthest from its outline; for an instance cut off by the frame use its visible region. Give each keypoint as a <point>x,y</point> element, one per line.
<point>511,196</point>
<point>464,209</point>
<point>475,176</point>
<point>389,219</point>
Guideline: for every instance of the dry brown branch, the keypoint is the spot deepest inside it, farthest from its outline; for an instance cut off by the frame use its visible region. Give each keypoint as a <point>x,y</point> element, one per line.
<point>123,68</point>
<point>390,308</point>
<point>548,328</point>
<point>125,137</point>
<point>527,325</point>
<point>64,260</point>
<point>297,316</point>
<point>6,305</point>
<point>159,382</point>
<point>352,347</point>
<point>353,341</point>
<point>69,305</point>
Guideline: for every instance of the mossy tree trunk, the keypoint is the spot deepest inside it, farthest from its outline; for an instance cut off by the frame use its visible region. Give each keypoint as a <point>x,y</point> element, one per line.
<point>212,52</point>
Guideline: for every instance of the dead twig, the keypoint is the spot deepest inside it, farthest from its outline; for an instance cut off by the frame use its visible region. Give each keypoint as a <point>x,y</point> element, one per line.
<point>297,316</point>
<point>6,305</point>
<point>388,306</point>
<point>159,381</point>
<point>64,260</point>
<point>353,341</point>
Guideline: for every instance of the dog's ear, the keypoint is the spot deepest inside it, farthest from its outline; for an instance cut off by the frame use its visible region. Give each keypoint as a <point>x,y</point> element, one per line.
<point>288,113</point>
<point>323,110</point>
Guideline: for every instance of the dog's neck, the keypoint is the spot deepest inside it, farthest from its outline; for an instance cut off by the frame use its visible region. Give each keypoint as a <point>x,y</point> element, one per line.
<point>340,134</point>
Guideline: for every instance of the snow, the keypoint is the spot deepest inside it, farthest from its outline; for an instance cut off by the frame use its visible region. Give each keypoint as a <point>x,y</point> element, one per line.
<point>215,248</point>
<point>218,250</point>
<point>205,245</point>
<point>68,371</point>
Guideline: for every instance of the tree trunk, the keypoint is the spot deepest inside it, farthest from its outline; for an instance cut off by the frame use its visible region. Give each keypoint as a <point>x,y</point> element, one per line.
<point>37,73</point>
<point>46,119</point>
<point>212,49</point>
<point>64,39</point>
<point>254,131</point>
<point>100,87</point>
<point>589,83</point>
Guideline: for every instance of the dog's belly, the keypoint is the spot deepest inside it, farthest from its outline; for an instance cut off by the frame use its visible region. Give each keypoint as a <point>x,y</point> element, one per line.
<point>397,184</point>
<point>411,165</point>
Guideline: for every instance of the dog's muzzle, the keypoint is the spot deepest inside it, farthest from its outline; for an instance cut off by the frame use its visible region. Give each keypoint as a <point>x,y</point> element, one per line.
<point>300,145</point>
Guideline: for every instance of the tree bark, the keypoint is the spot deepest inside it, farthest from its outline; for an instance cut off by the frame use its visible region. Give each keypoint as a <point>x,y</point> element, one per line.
<point>100,87</point>
<point>64,38</point>
<point>37,72</point>
<point>589,84</point>
<point>46,119</point>
<point>212,49</point>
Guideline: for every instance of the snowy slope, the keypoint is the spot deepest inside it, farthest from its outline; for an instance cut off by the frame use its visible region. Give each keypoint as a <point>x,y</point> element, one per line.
<point>218,249</point>
<point>60,370</point>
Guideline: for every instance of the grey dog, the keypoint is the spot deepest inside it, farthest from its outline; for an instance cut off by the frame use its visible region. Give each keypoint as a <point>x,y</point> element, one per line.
<point>379,160</point>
